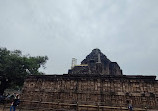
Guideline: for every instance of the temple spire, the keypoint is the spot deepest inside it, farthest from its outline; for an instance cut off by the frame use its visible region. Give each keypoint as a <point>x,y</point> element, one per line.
<point>99,60</point>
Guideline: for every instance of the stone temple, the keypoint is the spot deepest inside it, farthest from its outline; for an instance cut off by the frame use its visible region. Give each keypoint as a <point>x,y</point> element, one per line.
<point>97,84</point>
<point>96,63</point>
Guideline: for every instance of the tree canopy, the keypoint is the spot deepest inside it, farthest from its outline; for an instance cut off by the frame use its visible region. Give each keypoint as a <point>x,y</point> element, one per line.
<point>16,67</point>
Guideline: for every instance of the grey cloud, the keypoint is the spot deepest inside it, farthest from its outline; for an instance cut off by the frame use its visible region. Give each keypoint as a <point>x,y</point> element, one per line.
<point>126,31</point>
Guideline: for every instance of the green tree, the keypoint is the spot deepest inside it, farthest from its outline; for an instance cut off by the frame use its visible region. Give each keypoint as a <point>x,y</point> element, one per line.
<point>15,67</point>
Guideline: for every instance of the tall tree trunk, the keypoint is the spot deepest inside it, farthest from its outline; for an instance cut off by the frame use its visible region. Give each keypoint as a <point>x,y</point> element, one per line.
<point>3,84</point>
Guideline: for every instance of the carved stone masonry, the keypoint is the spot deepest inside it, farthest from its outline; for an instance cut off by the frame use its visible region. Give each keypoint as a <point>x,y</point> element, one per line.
<point>96,81</point>
<point>96,63</point>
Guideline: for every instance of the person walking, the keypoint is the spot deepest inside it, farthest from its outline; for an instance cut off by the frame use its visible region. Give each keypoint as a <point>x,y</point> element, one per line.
<point>130,108</point>
<point>15,103</point>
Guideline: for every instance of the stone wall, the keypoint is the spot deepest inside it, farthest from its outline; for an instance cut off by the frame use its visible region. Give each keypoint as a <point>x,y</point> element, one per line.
<point>106,90</point>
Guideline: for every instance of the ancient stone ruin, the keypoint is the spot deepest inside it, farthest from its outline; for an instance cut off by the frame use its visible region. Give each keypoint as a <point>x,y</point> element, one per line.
<point>96,85</point>
<point>96,63</point>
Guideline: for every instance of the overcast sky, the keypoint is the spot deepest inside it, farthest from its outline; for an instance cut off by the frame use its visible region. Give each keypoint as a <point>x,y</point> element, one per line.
<point>126,31</point>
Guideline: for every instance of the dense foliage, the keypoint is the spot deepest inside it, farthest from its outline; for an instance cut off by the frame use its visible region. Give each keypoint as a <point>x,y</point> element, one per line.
<point>16,67</point>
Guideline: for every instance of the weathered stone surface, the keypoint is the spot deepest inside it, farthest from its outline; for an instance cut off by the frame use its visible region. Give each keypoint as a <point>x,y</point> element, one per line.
<point>96,82</point>
<point>114,90</point>
<point>96,63</point>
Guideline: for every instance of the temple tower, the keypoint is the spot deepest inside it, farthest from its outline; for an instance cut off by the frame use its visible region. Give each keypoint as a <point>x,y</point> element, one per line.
<point>96,63</point>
